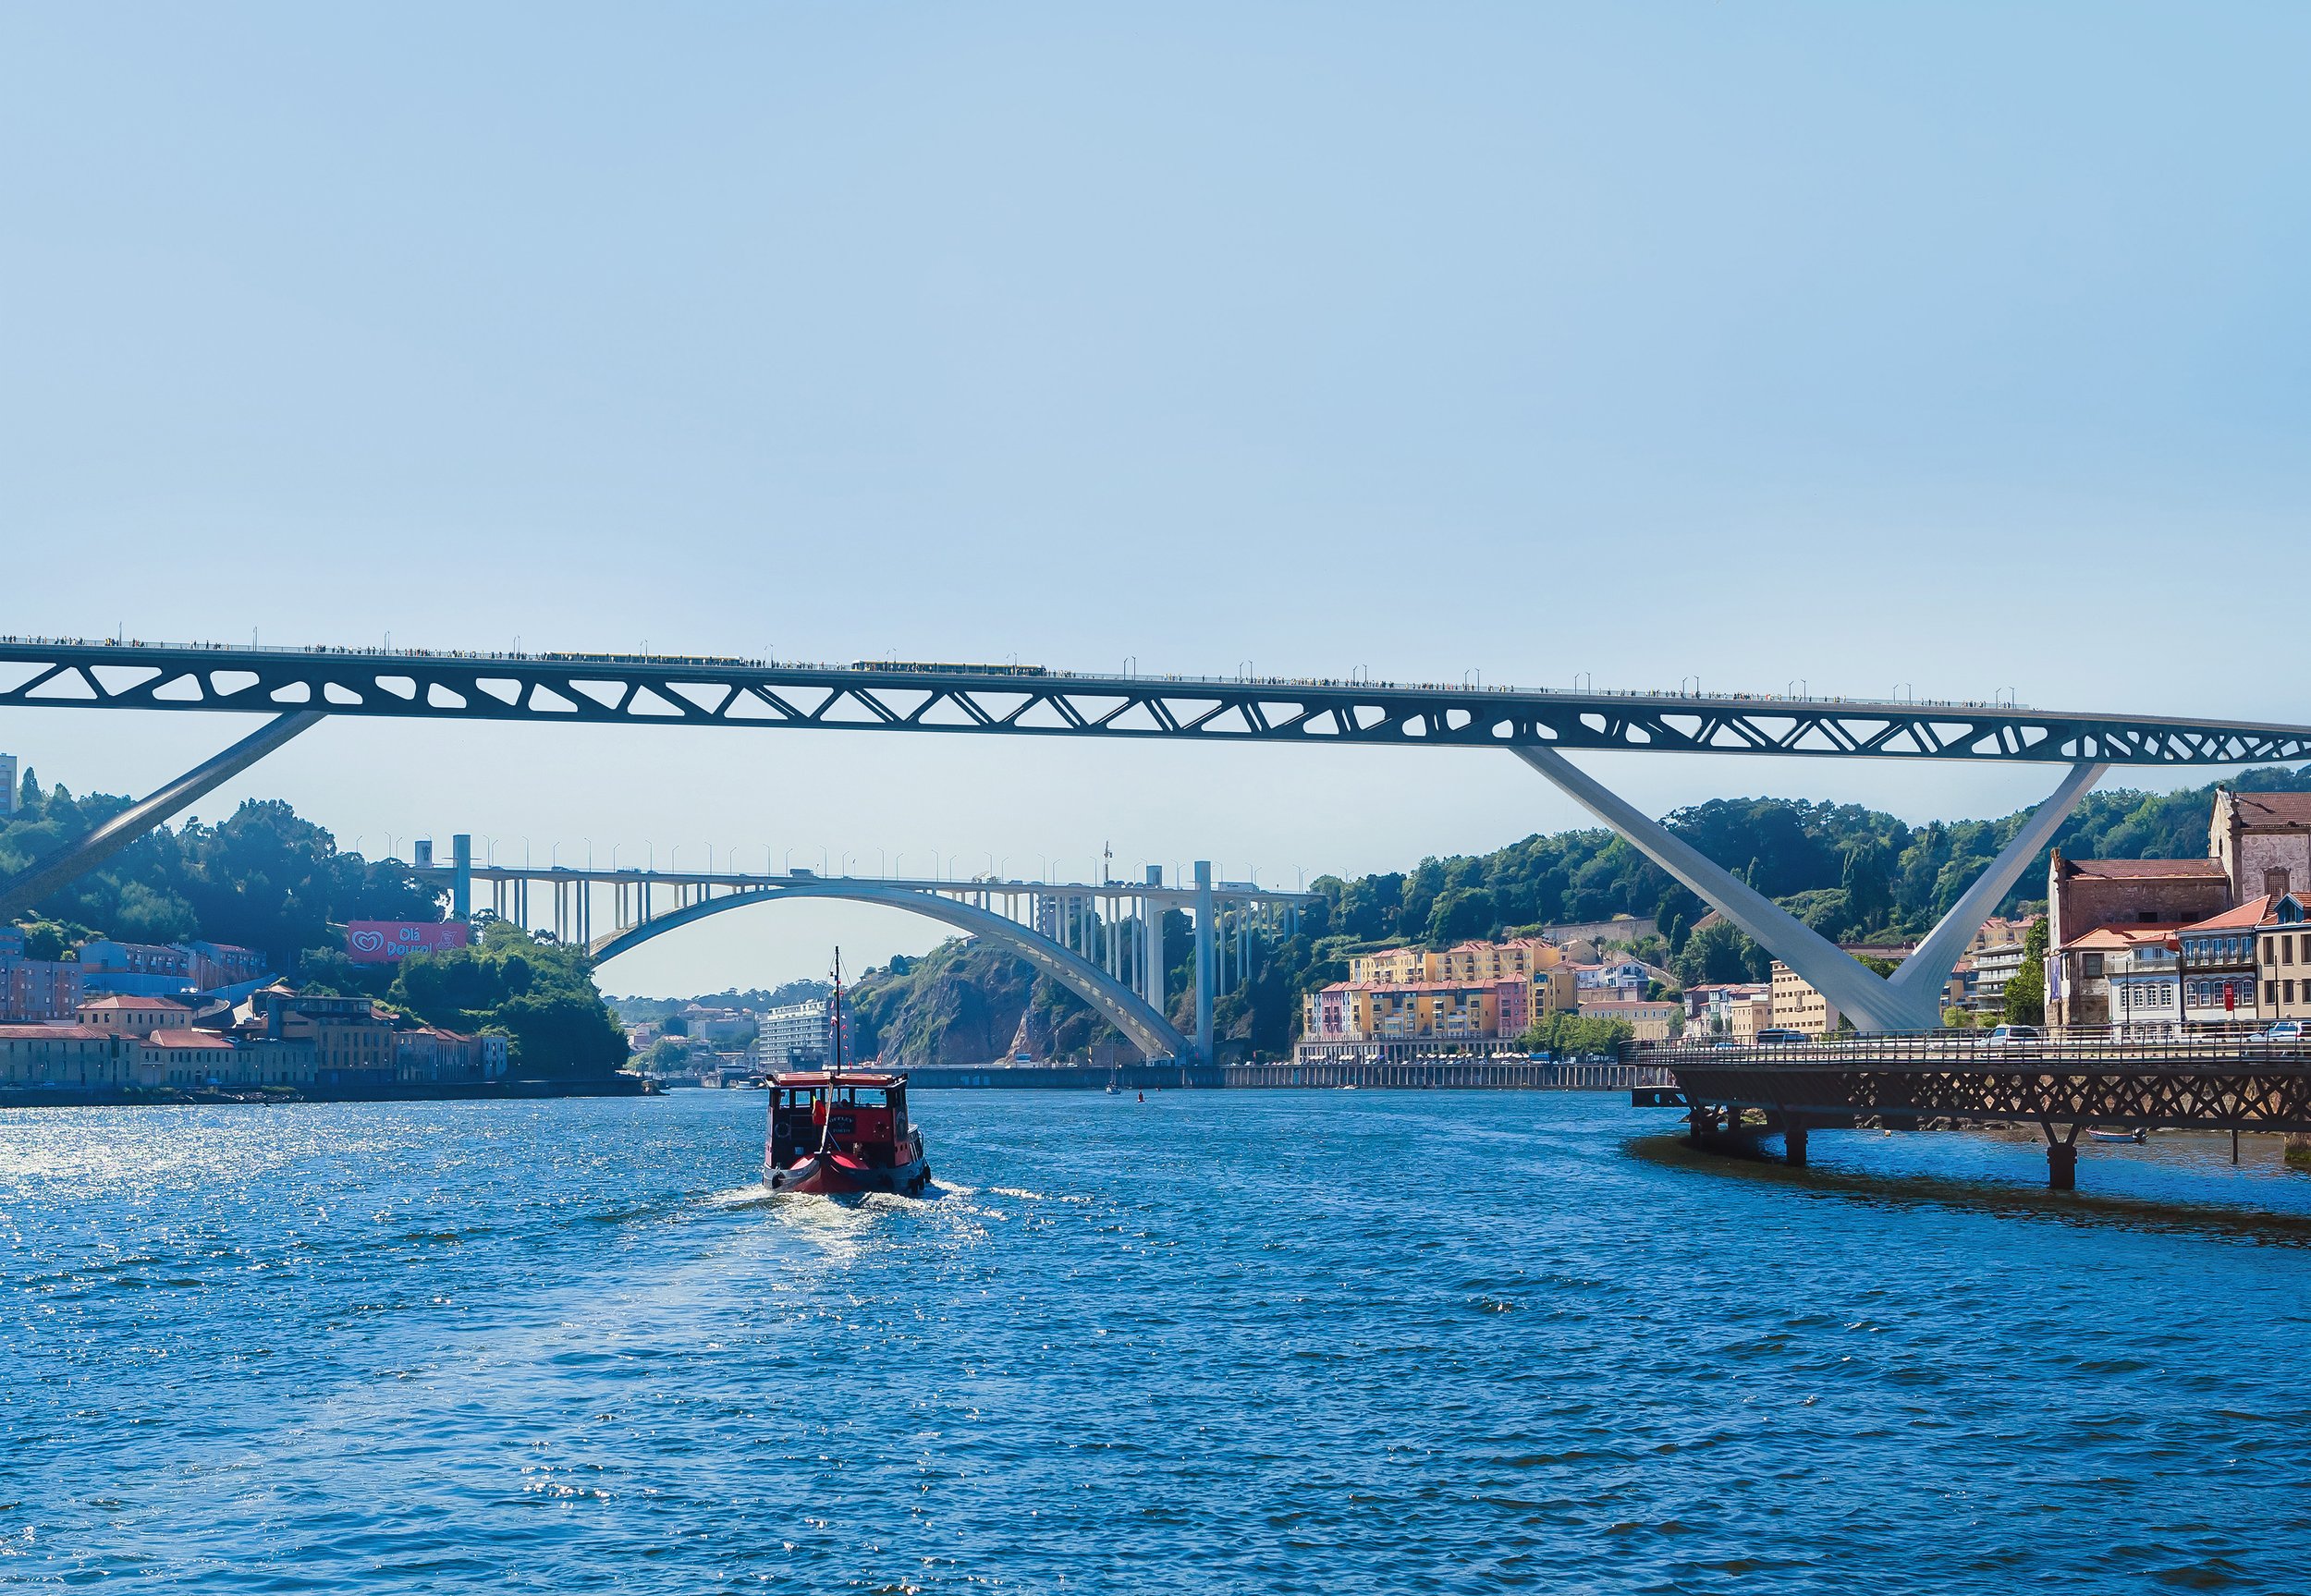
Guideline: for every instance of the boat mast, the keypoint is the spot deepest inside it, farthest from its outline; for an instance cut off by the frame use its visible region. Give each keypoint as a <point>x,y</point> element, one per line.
<point>834,1061</point>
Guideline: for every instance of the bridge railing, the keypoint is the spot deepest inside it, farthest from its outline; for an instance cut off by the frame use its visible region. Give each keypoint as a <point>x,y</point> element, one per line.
<point>994,673</point>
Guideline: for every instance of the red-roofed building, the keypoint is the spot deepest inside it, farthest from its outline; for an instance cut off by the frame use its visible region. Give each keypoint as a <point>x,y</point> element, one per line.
<point>2083,893</point>
<point>121,1015</point>
<point>2217,966</point>
<point>2079,990</point>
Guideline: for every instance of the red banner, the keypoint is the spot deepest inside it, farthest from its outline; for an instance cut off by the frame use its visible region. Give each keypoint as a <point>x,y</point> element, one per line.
<point>383,940</point>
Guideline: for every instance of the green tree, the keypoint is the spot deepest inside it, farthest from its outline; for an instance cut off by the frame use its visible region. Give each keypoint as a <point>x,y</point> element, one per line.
<point>540,993</point>
<point>2026,989</point>
<point>1459,913</point>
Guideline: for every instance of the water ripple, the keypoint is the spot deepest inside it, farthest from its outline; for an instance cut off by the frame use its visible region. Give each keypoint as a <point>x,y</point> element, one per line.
<point>1213,1342</point>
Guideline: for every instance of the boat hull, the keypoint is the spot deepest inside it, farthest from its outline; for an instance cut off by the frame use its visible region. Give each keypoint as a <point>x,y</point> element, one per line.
<point>835,1175</point>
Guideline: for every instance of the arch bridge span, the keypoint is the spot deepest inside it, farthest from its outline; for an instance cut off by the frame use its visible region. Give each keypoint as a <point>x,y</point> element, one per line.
<point>1148,1030</point>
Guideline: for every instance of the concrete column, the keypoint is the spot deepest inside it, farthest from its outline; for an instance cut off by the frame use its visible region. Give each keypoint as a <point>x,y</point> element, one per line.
<point>1152,943</point>
<point>1205,971</point>
<point>461,876</point>
<point>1793,1146</point>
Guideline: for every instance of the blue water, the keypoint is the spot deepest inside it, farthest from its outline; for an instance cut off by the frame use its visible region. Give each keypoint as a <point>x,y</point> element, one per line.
<point>1217,1342</point>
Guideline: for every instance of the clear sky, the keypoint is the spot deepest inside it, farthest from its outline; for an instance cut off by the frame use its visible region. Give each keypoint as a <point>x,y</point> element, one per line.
<point>1960,346</point>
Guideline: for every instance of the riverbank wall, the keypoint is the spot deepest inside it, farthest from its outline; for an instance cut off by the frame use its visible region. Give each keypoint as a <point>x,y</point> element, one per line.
<point>472,1091</point>
<point>1446,1073</point>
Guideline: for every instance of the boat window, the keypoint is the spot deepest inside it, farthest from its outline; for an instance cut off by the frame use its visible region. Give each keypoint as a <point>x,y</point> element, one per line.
<point>869,1097</point>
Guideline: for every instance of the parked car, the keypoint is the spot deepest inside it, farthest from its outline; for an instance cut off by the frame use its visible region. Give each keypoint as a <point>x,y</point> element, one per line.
<point>2011,1035</point>
<point>1778,1033</point>
<point>2287,1030</point>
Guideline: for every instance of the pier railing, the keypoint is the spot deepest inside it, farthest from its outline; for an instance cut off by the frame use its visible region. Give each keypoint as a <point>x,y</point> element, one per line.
<point>1942,1049</point>
<point>2236,1083</point>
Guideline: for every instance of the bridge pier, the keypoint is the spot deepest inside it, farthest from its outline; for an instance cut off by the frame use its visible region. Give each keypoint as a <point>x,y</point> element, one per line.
<point>2061,1157</point>
<point>2061,1166</point>
<point>1204,962</point>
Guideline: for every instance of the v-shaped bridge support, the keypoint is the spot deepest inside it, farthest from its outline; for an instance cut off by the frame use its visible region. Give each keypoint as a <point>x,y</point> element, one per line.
<point>1911,999</point>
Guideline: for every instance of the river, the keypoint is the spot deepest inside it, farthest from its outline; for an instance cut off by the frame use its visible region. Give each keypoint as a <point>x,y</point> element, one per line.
<point>1211,1342</point>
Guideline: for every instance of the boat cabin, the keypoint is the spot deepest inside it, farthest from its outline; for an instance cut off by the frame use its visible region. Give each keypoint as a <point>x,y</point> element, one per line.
<point>864,1115</point>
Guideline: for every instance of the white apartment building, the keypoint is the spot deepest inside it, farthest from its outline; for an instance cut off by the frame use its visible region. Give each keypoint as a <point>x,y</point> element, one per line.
<point>794,1036</point>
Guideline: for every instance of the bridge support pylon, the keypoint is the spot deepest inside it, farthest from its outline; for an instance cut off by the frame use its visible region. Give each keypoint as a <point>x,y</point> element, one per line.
<point>85,853</point>
<point>1911,999</point>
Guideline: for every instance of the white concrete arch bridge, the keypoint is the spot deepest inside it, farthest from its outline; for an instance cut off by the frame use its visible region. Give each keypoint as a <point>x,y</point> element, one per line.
<point>1101,939</point>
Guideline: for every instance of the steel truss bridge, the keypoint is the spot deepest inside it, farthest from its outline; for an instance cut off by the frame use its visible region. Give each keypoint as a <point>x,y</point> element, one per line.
<point>2061,1085</point>
<point>1015,700</point>
<point>1101,939</point>
<point>301,687</point>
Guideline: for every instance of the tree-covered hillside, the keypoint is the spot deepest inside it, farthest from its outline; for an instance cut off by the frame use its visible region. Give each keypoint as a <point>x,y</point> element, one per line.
<point>265,878</point>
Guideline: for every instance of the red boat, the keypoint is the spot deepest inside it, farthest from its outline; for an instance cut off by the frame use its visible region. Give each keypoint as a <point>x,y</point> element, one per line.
<point>843,1133</point>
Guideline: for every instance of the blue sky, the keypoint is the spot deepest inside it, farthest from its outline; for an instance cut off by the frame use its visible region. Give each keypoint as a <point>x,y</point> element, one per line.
<point>1961,347</point>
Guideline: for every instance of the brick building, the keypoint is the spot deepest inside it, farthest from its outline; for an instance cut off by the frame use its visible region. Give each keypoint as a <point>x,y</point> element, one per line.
<point>34,988</point>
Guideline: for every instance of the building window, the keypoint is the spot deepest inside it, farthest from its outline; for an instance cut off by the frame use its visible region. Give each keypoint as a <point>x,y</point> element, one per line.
<point>2270,993</point>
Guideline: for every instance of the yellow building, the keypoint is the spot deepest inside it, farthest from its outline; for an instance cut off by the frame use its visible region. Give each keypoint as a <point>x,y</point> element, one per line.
<point>1745,1020</point>
<point>1427,1008</point>
<point>1797,1006</point>
<point>1518,960</point>
<point>1652,1021</point>
<point>1394,966</point>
